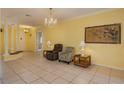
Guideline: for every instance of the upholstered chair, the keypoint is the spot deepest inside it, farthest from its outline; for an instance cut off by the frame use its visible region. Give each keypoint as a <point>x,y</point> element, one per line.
<point>53,55</point>
<point>66,55</point>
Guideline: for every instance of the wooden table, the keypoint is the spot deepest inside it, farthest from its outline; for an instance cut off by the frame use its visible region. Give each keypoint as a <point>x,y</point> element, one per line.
<point>83,61</point>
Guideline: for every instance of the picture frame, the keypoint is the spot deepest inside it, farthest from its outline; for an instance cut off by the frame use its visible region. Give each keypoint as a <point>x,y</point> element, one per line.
<point>103,34</point>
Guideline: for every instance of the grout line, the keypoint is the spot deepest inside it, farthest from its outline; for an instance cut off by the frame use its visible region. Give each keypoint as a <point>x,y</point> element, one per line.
<point>93,76</point>
<point>16,74</point>
<point>109,76</point>
<point>36,80</point>
<point>54,80</point>
<point>20,73</point>
<point>75,77</point>
<point>36,74</point>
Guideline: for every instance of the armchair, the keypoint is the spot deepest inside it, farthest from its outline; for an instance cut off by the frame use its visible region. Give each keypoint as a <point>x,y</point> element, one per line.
<point>66,55</point>
<point>53,55</point>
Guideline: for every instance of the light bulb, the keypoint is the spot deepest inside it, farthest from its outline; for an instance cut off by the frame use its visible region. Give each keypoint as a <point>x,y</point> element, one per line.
<point>45,21</point>
<point>55,21</point>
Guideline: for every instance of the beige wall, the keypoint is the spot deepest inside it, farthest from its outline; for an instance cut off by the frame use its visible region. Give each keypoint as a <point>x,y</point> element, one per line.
<point>71,32</point>
<point>1,42</point>
<point>30,39</point>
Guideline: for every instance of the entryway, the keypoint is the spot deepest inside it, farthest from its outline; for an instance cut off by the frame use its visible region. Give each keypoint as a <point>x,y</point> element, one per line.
<point>21,41</point>
<point>38,41</point>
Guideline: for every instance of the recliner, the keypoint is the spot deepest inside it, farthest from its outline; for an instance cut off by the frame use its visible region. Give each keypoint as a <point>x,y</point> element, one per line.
<point>53,55</point>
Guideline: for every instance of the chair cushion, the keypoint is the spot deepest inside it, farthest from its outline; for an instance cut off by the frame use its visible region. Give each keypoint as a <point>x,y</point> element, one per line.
<point>67,54</point>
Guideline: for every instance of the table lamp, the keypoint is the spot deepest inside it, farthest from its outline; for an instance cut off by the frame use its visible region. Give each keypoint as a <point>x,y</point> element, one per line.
<point>82,48</point>
<point>49,44</point>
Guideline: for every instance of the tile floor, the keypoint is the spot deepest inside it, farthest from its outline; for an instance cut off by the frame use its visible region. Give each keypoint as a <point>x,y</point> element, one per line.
<point>35,69</point>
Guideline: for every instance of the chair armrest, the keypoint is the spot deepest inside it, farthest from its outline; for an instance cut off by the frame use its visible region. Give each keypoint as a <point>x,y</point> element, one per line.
<point>49,51</point>
<point>65,53</point>
<point>61,53</point>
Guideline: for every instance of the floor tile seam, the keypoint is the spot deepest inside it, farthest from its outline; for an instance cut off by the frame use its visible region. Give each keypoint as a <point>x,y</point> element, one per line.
<point>17,74</point>
<point>74,77</point>
<point>37,79</point>
<point>93,75</point>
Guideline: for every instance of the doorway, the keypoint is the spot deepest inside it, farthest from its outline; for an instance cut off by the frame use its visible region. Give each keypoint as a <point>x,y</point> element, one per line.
<point>39,41</point>
<point>21,41</point>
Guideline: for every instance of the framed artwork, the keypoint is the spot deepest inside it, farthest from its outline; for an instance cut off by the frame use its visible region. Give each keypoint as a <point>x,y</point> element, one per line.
<point>107,34</point>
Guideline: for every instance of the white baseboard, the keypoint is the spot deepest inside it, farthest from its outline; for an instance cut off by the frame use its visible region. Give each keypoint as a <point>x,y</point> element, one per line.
<point>113,67</point>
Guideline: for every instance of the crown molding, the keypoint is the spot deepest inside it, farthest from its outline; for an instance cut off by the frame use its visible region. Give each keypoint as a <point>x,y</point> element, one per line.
<point>91,14</point>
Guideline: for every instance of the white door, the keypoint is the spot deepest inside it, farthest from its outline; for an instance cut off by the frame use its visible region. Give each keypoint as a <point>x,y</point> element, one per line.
<point>39,41</point>
<point>21,41</point>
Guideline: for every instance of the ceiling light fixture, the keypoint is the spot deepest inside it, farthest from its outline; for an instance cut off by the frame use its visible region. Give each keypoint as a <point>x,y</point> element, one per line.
<point>26,30</point>
<point>50,20</point>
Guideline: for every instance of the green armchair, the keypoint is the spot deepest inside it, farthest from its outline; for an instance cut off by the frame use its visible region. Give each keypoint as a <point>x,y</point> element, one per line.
<point>66,55</point>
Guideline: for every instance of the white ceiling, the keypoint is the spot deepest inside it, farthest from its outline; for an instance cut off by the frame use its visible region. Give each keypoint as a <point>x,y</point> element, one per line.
<point>38,14</point>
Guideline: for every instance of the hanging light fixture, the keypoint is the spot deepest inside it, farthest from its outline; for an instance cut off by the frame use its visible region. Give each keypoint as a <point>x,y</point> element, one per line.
<point>50,20</point>
<point>26,30</point>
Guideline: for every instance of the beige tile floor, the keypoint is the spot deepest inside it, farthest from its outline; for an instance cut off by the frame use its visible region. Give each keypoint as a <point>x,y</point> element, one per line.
<point>35,69</point>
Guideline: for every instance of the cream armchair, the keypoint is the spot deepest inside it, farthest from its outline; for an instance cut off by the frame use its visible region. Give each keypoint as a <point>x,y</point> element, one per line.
<point>66,55</point>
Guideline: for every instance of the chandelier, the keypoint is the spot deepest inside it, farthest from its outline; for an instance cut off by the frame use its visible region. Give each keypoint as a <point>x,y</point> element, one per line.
<point>50,20</point>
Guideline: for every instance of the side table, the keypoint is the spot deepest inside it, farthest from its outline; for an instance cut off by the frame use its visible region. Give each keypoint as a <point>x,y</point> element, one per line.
<point>83,61</point>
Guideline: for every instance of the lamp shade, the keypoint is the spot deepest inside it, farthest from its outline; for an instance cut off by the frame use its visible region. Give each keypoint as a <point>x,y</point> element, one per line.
<point>48,43</point>
<point>82,48</point>
<point>82,44</point>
